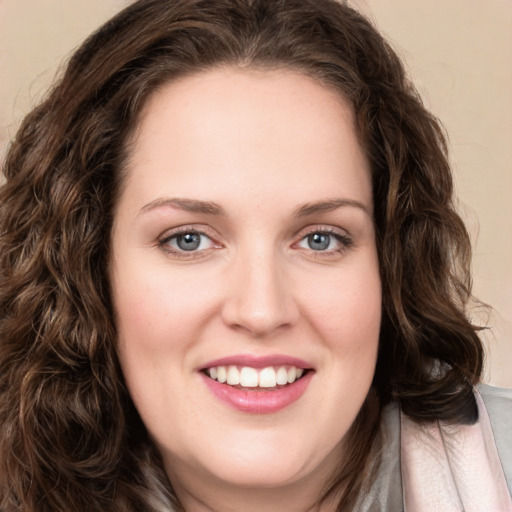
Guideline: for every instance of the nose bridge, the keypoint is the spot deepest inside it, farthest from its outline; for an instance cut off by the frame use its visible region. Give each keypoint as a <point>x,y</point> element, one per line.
<point>259,298</point>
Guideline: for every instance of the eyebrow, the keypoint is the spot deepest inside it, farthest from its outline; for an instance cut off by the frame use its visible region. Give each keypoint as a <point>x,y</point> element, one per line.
<point>211,208</point>
<point>330,205</point>
<point>188,205</point>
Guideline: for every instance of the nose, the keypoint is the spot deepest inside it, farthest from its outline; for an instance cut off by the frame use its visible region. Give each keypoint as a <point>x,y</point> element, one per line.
<point>259,297</point>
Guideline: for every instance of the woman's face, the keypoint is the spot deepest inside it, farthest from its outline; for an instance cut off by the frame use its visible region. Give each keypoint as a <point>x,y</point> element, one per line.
<point>244,249</point>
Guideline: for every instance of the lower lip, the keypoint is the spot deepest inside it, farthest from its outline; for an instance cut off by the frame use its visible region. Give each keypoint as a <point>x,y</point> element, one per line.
<point>259,402</point>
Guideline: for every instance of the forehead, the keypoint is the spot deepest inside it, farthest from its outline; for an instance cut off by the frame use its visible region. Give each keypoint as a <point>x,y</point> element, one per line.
<point>230,126</point>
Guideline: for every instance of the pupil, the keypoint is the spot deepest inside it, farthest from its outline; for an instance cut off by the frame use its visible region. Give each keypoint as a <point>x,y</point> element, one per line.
<point>318,241</point>
<point>188,241</point>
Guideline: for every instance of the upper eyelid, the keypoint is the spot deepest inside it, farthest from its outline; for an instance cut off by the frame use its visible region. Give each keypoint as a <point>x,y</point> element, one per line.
<point>208,231</point>
<point>344,238</point>
<point>215,237</point>
<point>163,243</point>
<point>187,228</point>
<point>322,228</point>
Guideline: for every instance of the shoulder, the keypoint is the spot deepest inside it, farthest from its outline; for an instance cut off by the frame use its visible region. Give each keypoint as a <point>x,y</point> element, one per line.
<point>385,491</point>
<point>496,399</point>
<point>424,462</point>
<point>498,403</point>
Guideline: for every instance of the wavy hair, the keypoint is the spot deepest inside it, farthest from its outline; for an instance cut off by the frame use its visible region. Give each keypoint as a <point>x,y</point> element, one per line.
<point>70,438</point>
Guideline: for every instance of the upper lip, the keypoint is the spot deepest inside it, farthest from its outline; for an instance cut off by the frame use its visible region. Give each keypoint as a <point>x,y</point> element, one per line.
<point>254,361</point>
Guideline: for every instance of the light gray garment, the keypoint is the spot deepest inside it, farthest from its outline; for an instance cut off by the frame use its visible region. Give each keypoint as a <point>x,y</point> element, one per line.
<point>387,493</point>
<point>498,402</point>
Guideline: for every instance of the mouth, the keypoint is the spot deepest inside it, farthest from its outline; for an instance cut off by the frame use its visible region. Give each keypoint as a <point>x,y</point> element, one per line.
<point>255,379</point>
<point>259,385</point>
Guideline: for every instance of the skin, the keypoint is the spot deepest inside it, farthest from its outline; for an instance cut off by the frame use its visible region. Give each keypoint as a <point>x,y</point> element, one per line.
<point>260,144</point>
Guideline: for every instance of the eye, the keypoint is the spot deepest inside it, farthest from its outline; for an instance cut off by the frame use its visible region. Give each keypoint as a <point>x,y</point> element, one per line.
<point>187,242</point>
<point>318,241</point>
<point>324,241</point>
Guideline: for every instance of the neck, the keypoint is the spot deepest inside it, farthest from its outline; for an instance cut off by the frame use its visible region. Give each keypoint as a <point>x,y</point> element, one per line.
<point>253,500</point>
<point>203,493</point>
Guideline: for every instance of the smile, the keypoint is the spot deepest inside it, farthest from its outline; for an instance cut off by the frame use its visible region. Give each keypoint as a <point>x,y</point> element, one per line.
<point>248,377</point>
<point>257,385</point>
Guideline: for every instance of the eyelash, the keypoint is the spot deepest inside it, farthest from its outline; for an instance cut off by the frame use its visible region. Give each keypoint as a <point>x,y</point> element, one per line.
<point>344,240</point>
<point>163,242</point>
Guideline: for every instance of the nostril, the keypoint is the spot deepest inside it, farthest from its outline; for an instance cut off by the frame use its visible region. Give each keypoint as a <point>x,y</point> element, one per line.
<point>258,296</point>
<point>257,318</point>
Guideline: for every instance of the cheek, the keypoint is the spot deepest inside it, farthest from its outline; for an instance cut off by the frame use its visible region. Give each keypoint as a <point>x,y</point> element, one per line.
<point>155,310</point>
<point>347,308</point>
<point>156,328</point>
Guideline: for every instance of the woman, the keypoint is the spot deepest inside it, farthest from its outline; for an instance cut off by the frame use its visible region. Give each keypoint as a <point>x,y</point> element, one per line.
<point>231,272</point>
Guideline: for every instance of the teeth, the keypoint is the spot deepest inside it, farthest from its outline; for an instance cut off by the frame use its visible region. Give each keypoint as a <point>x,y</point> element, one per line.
<point>221,374</point>
<point>233,376</point>
<point>248,377</point>
<point>292,374</point>
<point>282,376</point>
<point>267,378</point>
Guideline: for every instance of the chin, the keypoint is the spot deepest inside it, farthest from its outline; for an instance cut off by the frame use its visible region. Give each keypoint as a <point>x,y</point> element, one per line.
<point>259,474</point>
<point>252,459</point>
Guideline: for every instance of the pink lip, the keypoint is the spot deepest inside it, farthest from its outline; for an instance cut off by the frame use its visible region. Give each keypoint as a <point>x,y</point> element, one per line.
<point>258,361</point>
<point>257,401</point>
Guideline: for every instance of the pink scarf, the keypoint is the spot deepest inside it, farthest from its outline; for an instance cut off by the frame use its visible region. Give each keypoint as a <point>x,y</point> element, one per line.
<point>452,468</point>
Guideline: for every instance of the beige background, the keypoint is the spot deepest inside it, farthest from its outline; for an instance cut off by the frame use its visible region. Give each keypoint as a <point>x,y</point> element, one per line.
<point>458,53</point>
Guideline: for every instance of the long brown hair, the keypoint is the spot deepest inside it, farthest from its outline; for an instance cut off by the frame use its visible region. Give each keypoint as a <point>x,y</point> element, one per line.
<point>70,438</point>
